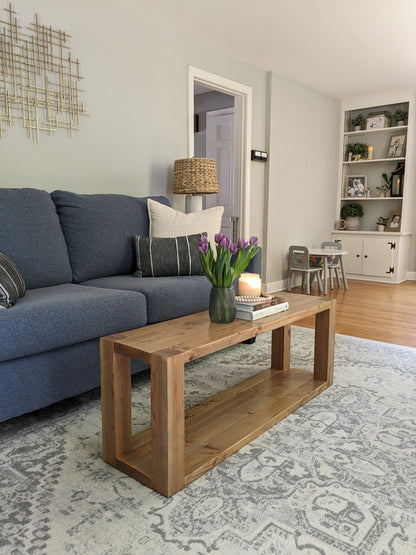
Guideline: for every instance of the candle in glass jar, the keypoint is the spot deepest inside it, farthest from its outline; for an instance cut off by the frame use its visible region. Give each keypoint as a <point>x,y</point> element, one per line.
<point>249,285</point>
<point>370,153</point>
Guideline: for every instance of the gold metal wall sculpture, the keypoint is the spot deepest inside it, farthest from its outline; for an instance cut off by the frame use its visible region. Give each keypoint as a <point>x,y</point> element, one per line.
<point>38,78</point>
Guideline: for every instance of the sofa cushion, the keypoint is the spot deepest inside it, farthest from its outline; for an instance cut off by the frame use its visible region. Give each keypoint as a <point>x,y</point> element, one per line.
<point>99,231</point>
<point>167,256</point>
<point>12,285</point>
<point>54,317</point>
<point>167,222</point>
<point>31,235</point>
<point>166,297</point>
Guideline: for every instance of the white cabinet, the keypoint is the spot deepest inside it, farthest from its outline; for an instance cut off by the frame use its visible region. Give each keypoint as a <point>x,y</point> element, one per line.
<point>373,255</point>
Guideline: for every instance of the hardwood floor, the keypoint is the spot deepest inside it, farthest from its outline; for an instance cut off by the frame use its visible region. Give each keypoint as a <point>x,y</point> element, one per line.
<point>379,311</point>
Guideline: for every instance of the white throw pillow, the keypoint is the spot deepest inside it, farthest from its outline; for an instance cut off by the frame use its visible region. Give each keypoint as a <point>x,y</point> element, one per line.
<point>167,222</point>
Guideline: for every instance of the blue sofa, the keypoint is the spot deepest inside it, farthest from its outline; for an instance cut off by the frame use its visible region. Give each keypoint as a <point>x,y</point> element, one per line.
<point>75,253</point>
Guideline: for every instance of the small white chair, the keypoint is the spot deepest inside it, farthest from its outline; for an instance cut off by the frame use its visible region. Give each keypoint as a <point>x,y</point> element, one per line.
<point>334,265</point>
<point>299,262</point>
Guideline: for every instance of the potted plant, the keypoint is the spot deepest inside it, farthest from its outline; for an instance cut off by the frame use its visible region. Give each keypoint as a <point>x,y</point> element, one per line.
<point>351,213</point>
<point>357,150</point>
<point>382,222</point>
<point>357,122</point>
<point>400,116</point>
<point>221,270</point>
<point>385,187</point>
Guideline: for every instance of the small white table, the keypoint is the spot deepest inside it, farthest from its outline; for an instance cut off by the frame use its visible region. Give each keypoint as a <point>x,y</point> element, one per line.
<point>326,253</point>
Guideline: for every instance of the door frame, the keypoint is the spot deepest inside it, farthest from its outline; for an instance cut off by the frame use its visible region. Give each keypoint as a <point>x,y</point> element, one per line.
<point>243,120</point>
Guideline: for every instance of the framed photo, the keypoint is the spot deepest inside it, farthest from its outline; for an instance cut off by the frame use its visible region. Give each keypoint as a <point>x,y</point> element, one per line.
<point>397,146</point>
<point>376,122</point>
<point>355,186</point>
<point>394,222</point>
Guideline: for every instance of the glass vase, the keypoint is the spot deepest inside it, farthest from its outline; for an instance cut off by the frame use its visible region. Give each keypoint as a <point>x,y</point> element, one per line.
<point>222,305</point>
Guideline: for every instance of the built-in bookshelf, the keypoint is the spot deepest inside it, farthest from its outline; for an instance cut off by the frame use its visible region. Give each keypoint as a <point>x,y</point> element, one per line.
<point>383,145</point>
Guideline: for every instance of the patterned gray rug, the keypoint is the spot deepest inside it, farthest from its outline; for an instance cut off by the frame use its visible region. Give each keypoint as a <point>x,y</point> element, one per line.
<point>337,476</point>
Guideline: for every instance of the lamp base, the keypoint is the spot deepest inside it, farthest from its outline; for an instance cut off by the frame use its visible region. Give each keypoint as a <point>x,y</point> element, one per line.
<point>193,203</point>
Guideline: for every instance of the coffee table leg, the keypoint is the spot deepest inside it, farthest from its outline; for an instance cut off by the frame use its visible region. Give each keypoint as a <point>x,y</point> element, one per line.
<point>281,348</point>
<point>168,423</point>
<point>116,402</point>
<point>324,345</point>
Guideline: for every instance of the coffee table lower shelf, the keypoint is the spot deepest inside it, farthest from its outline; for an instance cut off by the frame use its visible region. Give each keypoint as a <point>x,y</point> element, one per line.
<point>225,422</point>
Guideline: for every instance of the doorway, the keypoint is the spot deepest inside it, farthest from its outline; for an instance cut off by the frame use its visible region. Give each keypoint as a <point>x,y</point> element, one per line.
<point>234,158</point>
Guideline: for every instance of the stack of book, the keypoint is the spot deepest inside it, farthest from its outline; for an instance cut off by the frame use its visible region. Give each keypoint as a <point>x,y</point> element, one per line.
<point>253,308</point>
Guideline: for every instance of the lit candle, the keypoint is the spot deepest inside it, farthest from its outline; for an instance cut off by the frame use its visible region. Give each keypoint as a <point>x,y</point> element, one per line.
<point>370,153</point>
<point>249,285</point>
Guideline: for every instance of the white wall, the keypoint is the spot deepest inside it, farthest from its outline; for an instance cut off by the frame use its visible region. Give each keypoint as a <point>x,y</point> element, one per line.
<point>301,186</point>
<point>136,82</point>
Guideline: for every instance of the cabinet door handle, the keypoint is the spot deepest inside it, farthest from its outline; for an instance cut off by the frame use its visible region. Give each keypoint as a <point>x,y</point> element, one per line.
<point>365,256</point>
<point>357,255</point>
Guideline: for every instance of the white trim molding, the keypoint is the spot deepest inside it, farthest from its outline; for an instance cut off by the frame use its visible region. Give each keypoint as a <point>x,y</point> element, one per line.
<point>243,106</point>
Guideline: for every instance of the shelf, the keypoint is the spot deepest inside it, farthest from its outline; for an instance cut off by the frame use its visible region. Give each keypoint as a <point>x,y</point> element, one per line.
<point>347,163</point>
<point>371,131</point>
<point>225,422</point>
<point>367,232</point>
<point>371,198</point>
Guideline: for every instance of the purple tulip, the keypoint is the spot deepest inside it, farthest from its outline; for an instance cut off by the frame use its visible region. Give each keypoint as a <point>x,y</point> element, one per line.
<point>254,241</point>
<point>234,249</point>
<point>203,239</point>
<point>225,242</point>
<point>219,237</point>
<point>242,244</point>
<point>203,247</point>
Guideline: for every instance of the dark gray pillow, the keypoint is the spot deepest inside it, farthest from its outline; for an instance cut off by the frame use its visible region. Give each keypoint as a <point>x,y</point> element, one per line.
<point>12,285</point>
<point>167,256</point>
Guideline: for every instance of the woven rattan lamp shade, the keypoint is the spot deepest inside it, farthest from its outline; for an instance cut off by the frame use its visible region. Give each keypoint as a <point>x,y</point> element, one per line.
<point>195,176</point>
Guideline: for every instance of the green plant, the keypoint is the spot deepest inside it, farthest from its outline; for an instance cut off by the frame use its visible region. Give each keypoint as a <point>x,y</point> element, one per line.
<point>219,269</point>
<point>352,210</point>
<point>399,115</point>
<point>387,183</point>
<point>382,221</point>
<point>360,149</point>
<point>358,120</point>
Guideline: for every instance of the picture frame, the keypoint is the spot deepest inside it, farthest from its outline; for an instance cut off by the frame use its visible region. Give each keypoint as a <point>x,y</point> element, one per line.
<point>395,221</point>
<point>355,186</point>
<point>397,146</point>
<point>376,122</point>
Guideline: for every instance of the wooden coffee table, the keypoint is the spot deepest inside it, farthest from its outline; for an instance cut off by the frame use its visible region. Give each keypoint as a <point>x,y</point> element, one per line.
<point>182,445</point>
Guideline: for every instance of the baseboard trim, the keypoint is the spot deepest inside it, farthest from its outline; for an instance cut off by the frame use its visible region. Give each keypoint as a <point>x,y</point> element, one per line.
<point>274,286</point>
<point>282,284</point>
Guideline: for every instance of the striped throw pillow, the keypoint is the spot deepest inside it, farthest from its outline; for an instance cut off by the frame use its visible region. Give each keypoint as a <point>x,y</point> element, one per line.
<point>167,256</point>
<point>12,285</point>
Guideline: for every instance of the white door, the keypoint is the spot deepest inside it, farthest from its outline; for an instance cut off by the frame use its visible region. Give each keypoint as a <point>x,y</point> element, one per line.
<point>220,147</point>
<point>378,257</point>
<point>353,261</point>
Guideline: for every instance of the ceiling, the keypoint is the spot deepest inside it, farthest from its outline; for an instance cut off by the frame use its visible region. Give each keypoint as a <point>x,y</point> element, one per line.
<point>341,47</point>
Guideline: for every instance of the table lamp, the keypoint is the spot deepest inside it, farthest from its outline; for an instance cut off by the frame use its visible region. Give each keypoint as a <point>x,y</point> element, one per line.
<point>194,177</point>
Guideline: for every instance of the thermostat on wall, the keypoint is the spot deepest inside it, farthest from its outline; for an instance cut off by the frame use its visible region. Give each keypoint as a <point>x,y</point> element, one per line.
<point>259,155</point>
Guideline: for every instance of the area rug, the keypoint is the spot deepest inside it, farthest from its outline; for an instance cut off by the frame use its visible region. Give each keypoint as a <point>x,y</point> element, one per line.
<point>336,476</point>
